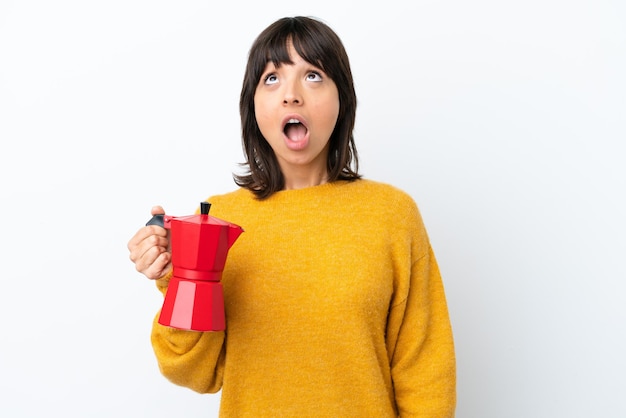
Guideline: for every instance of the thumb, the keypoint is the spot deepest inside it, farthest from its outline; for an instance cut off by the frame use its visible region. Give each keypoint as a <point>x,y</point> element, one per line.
<point>157,210</point>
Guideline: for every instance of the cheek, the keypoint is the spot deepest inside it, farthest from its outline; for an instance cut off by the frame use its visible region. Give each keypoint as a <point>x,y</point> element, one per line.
<point>336,113</point>
<point>257,108</point>
<point>331,109</point>
<point>331,114</point>
<point>260,113</point>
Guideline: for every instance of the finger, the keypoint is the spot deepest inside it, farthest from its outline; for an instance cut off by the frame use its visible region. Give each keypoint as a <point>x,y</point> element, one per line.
<point>144,261</point>
<point>136,239</point>
<point>148,248</point>
<point>159,267</point>
<point>146,236</point>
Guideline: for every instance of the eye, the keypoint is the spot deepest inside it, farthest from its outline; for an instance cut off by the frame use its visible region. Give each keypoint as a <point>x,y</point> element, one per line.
<point>314,76</point>
<point>270,79</point>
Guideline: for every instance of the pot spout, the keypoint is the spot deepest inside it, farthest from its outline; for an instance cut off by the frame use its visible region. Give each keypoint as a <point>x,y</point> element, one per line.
<point>233,233</point>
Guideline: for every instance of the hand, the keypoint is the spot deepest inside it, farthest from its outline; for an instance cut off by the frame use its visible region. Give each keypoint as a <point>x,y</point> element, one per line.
<point>149,249</point>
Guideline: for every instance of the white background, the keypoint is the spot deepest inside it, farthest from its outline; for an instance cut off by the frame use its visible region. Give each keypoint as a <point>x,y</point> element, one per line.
<point>504,120</point>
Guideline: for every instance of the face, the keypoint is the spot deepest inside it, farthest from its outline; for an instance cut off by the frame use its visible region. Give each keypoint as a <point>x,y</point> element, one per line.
<point>296,107</point>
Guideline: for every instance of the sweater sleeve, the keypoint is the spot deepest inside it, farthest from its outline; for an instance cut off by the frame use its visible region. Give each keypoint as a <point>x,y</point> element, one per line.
<point>189,358</point>
<point>420,345</point>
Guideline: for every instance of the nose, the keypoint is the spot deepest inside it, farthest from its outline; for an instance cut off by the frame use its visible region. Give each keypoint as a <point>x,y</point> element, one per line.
<point>292,94</point>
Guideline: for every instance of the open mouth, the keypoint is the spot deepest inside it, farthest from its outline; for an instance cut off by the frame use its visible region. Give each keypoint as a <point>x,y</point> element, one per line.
<point>295,130</point>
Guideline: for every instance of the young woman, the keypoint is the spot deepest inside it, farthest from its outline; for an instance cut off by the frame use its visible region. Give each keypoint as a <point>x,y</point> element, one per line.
<point>334,303</point>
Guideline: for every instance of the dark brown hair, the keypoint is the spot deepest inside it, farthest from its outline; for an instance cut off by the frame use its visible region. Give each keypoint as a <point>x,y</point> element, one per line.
<point>319,45</point>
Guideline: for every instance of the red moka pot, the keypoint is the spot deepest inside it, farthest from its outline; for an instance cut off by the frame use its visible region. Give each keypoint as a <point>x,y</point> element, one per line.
<point>199,243</point>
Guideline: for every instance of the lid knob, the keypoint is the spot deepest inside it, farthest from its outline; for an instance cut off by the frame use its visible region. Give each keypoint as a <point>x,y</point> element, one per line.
<point>204,208</point>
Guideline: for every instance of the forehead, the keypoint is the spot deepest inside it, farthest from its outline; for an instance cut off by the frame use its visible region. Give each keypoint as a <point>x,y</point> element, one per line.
<point>289,57</point>
<point>290,49</point>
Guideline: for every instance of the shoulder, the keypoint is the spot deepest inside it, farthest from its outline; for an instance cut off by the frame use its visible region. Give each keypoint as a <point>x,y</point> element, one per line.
<point>373,186</point>
<point>396,209</point>
<point>384,196</point>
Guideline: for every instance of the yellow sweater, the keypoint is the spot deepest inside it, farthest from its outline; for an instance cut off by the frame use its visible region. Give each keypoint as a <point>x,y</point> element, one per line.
<point>334,308</point>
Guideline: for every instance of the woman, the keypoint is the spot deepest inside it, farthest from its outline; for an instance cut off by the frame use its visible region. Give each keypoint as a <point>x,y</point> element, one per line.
<point>334,303</point>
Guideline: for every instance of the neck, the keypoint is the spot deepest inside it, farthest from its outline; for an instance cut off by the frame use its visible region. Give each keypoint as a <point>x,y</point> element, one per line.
<point>294,181</point>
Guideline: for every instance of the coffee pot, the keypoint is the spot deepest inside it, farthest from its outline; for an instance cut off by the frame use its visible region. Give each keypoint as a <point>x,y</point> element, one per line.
<point>199,244</point>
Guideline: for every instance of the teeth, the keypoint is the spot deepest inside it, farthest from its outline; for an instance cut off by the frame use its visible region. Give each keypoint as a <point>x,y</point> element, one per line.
<point>293,121</point>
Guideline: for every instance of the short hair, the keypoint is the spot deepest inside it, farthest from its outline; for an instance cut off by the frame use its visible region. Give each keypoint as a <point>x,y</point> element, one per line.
<point>319,45</point>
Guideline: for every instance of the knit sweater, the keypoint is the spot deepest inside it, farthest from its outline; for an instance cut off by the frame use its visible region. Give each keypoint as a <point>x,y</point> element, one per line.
<point>334,308</point>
